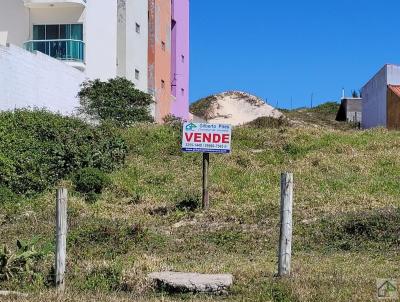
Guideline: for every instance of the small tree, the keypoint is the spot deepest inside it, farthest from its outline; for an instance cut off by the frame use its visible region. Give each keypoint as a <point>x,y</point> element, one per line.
<point>355,94</point>
<point>116,100</point>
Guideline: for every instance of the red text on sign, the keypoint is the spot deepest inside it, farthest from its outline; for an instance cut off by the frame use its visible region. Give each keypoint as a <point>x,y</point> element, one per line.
<point>207,138</point>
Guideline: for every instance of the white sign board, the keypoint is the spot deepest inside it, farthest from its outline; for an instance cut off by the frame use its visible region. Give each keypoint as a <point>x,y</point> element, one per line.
<point>206,138</point>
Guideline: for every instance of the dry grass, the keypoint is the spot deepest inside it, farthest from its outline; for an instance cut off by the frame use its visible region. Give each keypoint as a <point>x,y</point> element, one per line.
<point>346,181</point>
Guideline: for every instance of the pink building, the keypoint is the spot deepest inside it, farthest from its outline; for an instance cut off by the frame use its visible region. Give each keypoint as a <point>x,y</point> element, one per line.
<point>180,58</point>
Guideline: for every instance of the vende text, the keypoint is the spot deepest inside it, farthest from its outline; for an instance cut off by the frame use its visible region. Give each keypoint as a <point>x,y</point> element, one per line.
<point>207,138</point>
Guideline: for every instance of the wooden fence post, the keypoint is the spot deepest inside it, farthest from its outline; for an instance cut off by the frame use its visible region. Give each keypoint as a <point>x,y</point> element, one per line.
<point>61,238</point>
<point>285,239</point>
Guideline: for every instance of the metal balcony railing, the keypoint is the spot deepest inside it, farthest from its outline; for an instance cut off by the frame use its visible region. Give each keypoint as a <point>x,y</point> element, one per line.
<point>62,49</point>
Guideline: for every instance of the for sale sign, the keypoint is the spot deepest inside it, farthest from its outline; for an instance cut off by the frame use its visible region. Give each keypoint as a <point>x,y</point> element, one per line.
<point>206,138</point>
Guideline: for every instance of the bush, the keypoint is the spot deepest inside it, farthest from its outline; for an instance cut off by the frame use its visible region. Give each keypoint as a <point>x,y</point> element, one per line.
<point>91,181</point>
<point>203,107</point>
<point>24,261</point>
<point>6,195</point>
<point>38,148</point>
<point>189,201</point>
<point>116,100</point>
<point>269,122</point>
<point>173,121</point>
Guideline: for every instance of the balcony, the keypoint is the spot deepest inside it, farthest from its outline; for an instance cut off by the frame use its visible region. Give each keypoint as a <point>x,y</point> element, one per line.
<point>68,50</point>
<point>54,3</point>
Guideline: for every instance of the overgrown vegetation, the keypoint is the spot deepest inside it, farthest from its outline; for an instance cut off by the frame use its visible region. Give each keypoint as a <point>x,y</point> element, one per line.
<point>346,217</point>
<point>38,148</point>
<point>91,182</point>
<point>323,115</point>
<point>21,263</point>
<point>116,100</point>
<point>203,107</point>
<point>269,122</point>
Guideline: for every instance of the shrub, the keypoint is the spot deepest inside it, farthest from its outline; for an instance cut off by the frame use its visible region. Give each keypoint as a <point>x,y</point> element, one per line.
<point>116,100</point>
<point>203,108</point>
<point>173,121</point>
<point>269,122</point>
<point>188,201</point>
<point>18,263</point>
<point>91,181</point>
<point>38,148</point>
<point>6,195</point>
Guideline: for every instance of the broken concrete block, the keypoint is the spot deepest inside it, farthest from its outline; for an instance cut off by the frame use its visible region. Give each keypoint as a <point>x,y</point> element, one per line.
<point>192,282</point>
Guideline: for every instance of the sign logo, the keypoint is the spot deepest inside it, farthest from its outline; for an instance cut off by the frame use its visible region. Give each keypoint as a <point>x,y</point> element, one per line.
<point>387,289</point>
<point>190,127</point>
<point>206,138</point>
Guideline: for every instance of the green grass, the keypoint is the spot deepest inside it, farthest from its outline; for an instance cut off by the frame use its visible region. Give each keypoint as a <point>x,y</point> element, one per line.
<point>346,218</point>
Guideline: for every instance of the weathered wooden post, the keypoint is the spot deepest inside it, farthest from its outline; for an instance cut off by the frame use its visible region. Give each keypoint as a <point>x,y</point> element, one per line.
<point>206,138</point>
<point>285,239</point>
<point>61,238</point>
<point>206,163</point>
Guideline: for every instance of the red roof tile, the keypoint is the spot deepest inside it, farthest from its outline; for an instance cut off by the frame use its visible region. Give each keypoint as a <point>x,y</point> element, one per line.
<point>395,89</point>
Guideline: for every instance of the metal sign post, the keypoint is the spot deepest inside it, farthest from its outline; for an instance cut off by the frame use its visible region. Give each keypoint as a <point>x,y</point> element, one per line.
<point>205,199</point>
<point>206,138</point>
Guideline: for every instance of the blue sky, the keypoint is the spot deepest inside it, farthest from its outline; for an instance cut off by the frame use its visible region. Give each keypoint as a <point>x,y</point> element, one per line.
<point>280,50</point>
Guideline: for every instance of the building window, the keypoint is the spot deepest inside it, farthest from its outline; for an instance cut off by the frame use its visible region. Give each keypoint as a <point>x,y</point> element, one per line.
<point>163,45</point>
<point>162,84</point>
<point>60,41</point>
<point>182,91</point>
<point>58,32</point>
<point>137,74</point>
<point>183,58</point>
<point>138,28</point>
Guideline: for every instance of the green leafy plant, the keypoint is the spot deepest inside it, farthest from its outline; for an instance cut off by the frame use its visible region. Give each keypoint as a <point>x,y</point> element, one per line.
<point>91,181</point>
<point>116,100</point>
<point>6,195</point>
<point>39,148</point>
<point>22,261</point>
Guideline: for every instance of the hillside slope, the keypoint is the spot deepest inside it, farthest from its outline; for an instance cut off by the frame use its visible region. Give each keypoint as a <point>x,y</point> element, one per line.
<point>346,218</point>
<point>233,107</point>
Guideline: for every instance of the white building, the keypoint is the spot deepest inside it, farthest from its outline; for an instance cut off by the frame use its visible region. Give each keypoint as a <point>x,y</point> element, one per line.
<point>132,50</point>
<point>99,38</point>
<point>377,109</point>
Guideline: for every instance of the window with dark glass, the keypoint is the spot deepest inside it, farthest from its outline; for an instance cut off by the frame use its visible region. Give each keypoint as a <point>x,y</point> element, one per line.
<point>61,41</point>
<point>58,32</point>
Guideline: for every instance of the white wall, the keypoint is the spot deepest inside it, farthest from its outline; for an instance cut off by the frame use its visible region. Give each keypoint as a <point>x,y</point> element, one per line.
<point>37,80</point>
<point>14,19</point>
<point>133,46</point>
<point>101,39</point>
<point>393,74</point>
<point>374,101</point>
<point>374,95</point>
<point>121,38</point>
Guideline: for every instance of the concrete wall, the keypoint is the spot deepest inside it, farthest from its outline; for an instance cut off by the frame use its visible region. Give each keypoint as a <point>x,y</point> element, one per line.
<point>133,46</point>
<point>374,98</point>
<point>159,53</point>
<point>101,39</point>
<point>55,15</point>
<point>14,19</point>
<point>37,80</point>
<point>99,20</point>
<point>374,95</point>
<point>121,37</point>
<point>180,58</point>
